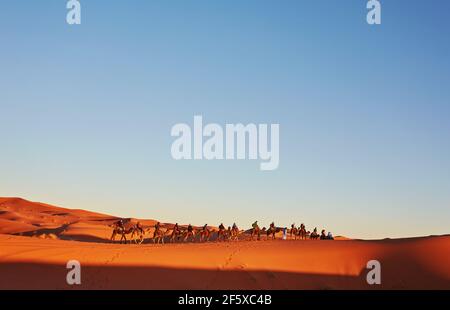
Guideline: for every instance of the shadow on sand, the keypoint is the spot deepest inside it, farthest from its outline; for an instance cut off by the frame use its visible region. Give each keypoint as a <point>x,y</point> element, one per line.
<point>49,276</point>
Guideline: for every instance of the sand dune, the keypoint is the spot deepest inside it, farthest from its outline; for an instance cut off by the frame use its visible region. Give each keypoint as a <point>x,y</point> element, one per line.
<point>40,263</point>
<point>421,263</point>
<point>22,217</point>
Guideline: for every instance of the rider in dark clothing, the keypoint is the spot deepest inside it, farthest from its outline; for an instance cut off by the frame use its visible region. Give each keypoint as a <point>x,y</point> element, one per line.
<point>190,228</point>
<point>322,235</point>
<point>119,223</point>
<point>221,227</point>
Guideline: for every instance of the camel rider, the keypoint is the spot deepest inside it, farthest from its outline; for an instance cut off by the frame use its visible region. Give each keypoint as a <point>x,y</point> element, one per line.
<point>235,226</point>
<point>330,236</point>
<point>119,223</point>
<point>272,225</point>
<point>205,227</point>
<point>157,226</point>
<point>221,227</point>
<point>190,228</point>
<point>255,224</point>
<point>302,226</point>
<point>175,228</point>
<point>322,235</point>
<point>315,230</point>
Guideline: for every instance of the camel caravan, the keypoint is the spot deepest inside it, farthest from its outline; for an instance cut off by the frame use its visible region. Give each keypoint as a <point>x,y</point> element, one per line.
<point>162,233</point>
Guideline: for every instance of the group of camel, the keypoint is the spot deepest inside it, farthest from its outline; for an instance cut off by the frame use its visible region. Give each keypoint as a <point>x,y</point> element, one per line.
<point>183,234</point>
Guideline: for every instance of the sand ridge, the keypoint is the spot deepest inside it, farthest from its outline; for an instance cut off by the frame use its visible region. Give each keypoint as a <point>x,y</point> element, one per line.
<point>28,262</point>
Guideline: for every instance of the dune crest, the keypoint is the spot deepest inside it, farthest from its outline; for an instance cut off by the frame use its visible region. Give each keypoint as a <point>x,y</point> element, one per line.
<point>63,234</point>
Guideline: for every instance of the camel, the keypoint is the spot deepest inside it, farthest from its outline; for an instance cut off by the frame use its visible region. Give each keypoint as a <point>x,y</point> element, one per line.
<point>133,230</point>
<point>234,234</point>
<point>323,236</point>
<point>314,235</point>
<point>139,231</point>
<point>293,231</point>
<point>158,234</point>
<point>204,234</point>
<point>119,229</point>
<point>256,231</point>
<point>228,233</point>
<point>189,232</point>
<point>221,233</point>
<point>176,233</point>
<point>272,230</point>
<point>302,232</point>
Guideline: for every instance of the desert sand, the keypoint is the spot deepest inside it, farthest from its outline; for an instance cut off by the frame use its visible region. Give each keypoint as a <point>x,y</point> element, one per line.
<point>37,240</point>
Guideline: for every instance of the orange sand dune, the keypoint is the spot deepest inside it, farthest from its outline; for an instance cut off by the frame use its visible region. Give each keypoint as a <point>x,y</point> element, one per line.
<point>420,263</point>
<point>22,217</point>
<point>40,263</point>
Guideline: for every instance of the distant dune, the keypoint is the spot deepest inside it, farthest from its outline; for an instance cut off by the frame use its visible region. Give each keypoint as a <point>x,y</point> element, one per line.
<point>25,218</point>
<point>37,240</point>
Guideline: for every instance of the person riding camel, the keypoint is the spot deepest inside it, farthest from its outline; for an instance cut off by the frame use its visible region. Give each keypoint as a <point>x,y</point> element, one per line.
<point>190,228</point>
<point>221,227</point>
<point>235,226</point>
<point>120,224</point>
<point>205,227</point>
<point>255,230</point>
<point>330,236</point>
<point>322,235</point>
<point>157,226</point>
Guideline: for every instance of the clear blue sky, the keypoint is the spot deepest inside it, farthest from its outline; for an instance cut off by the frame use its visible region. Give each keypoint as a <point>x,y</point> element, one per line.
<point>364,111</point>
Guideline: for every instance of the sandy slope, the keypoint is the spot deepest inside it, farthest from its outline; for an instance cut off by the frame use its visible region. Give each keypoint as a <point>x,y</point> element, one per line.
<point>39,263</point>
<point>22,217</point>
<point>420,263</point>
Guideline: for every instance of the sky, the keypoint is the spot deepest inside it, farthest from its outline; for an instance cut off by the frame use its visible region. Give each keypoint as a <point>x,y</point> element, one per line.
<point>364,111</point>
